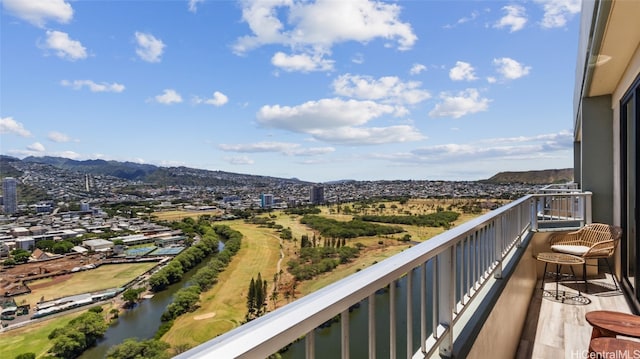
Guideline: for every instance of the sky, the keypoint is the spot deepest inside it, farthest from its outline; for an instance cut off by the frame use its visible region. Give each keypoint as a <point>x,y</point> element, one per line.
<point>317,90</point>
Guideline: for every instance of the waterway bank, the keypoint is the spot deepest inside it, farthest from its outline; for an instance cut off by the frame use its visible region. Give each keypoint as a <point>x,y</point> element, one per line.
<point>143,320</point>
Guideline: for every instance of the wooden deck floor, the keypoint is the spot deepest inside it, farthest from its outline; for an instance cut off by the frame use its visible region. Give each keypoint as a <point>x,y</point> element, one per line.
<point>558,330</point>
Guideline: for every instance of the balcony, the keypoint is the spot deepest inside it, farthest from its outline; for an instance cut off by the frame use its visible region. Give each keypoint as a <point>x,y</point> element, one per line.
<point>469,292</point>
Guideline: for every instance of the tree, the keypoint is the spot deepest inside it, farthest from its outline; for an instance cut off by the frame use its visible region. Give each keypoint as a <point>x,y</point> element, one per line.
<point>20,255</point>
<point>158,281</point>
<point>96,309</point>
<point>133,349</point>
<point>92,325</point>
<point>26,356</point>
<point>132,295</point>
<point>286,234</point>
<point>69,345</point>
<point>251,298</point>
<point>115,313</point>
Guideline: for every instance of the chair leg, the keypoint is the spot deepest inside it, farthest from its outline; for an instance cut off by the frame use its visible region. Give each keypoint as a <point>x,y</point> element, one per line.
<point>613,277</point>
<point>584,276</point>
<point>544,274</point>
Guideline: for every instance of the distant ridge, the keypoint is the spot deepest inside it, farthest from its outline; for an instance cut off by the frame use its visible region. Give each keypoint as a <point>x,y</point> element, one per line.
<point>151,174</point>
<point>171,176</point>
<point>533,177</point>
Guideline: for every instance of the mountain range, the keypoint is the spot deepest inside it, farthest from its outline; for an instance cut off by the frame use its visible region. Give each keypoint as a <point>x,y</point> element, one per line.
<point>152,174</point>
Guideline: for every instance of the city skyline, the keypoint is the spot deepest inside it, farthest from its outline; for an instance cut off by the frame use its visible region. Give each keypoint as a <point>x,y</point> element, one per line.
<point>319,91</point>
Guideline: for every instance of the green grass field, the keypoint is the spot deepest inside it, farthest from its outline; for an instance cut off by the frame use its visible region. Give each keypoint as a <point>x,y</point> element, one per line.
<point>31,338</point>
<point>103,277</point>
<point>224,306</point>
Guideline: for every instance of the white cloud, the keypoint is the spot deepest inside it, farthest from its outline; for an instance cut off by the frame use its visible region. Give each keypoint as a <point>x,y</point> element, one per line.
<point>314,27</point>
<point>357,136</point>
<point>93,86</point>
<point>464,103</point>
<point>491,79</point>
<point>301,62</point>
<point>541,147</point>
<point>38,12</point>
<point>462,71</point>
<point>463,20</point>
<point>388,89</point>
<point>36,147</point>
<point>511,69</point>
<point>9,125</point>
<point>65,47</point>
<point>168,97</point>
<point>358,59</point>
<point>557,12</point>
<point>217,100</point>
<point>58,137</point>
<point>193,5</point>
<point>149,48</point>
<point>417,68</point>
<point>337,121</point>
<point>515,19</point>
<point>322,114</point>
<point>290,149</point>
<point>239,160</point>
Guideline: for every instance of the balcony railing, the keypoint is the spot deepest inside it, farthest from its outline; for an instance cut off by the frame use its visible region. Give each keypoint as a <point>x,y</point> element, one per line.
<point>562,208</point>
<point>436,281</point>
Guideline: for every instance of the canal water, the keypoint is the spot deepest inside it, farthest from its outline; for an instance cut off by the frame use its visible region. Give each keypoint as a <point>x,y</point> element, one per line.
<point>327,338</point>
<point>142,321</point>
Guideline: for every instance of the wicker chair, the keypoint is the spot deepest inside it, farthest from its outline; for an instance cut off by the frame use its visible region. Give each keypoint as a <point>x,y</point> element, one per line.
<point>593,241</point>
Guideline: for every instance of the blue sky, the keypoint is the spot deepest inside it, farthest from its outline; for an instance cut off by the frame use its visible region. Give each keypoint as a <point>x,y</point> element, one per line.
<point>318,90</point>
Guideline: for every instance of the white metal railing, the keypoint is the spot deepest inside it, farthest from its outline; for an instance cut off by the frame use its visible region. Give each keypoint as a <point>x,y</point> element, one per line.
<point>460,262</point>
<point>560,188</point>
<point>562,209</point>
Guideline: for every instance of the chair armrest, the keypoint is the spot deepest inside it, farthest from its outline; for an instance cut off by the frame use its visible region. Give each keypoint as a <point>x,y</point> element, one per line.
<point>601,249</point>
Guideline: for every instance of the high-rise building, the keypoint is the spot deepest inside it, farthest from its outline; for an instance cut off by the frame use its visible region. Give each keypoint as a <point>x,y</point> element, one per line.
<point>10,195</point>
<point>316,195</point>
<point>266,200</point>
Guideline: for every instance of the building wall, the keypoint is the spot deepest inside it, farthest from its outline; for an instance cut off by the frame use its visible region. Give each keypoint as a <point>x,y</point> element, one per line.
<point>597,155</point>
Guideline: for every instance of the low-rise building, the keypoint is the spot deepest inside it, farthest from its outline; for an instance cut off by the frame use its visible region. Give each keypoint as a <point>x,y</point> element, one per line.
<point>98,245</point>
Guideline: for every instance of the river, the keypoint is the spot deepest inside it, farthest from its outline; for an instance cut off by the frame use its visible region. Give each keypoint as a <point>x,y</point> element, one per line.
<point>143,320</point>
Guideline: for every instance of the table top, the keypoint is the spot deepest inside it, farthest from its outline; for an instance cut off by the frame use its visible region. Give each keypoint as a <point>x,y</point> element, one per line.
<point>616,322</point>
<point>559,258</point>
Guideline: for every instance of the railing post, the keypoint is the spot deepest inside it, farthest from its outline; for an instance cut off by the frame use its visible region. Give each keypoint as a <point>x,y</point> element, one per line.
<point>446,283</point>
<point>423,307</point>
<point>310,345</point>
<point>498,245</point>
<point>372,326</point>
<point>534,214</point>
<point>392,320</point>
<point>344,321</point>
<point>409,314</point>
